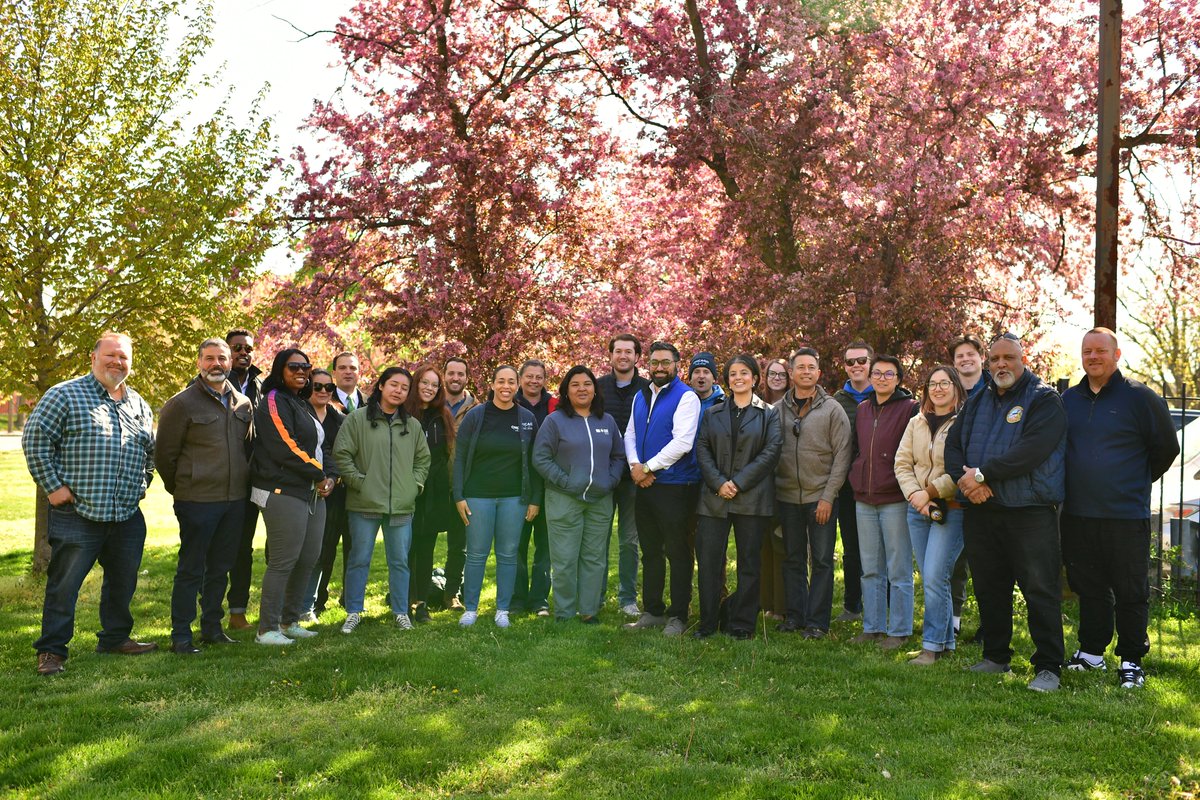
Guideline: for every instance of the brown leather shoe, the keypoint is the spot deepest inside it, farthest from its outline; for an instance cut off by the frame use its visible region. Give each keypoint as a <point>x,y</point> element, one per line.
<point>129,648</point>
<point>238,622</point>
<point>50,664</point>
<point>864,638</point>
<point>892,642</point>
<point>926,658</point>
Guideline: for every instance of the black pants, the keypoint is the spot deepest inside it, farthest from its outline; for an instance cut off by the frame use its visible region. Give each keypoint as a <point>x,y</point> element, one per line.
<point>665,514</point>
<point>337,530</point>
<point>712,545</point>
<point>420,557</point>
<point>847,521</point>
<point>958,583</point>
<point>1007,546</point>
<point>208,535</point>
<point>1108,565</point>
<point>532,588</point>
<point>243,564</point>
<point>809,604</point>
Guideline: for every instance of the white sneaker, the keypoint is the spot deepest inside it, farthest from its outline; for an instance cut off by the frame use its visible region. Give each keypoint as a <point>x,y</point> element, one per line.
<point>403,622</point>
<point>273,637</point>
<point>631,610</point>
<point>501,619</point>
<point>351,623</point>
<point>309,616</point>
<point>296,632</point>
<point>468,618</point>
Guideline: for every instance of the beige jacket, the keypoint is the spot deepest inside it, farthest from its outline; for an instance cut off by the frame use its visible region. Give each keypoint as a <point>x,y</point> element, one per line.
<point>919,461</point>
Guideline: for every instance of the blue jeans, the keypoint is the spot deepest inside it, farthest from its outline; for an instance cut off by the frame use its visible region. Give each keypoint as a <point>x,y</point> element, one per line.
<point>208,542</point>
<point>75,545</point>
<point>499,519</point>
<point>936,548</point>
<point>887,581</point>
<point>397,536</point>
<point>627,542</point>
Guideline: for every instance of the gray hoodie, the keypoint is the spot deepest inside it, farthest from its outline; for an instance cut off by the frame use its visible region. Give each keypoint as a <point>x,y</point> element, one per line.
<point>815,462</point>
<point>580,456</point>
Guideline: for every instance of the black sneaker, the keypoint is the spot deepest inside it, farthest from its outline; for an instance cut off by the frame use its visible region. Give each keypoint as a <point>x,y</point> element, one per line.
<point>1077,663</point>
<point>1131,676</point>
<point>421,613</point>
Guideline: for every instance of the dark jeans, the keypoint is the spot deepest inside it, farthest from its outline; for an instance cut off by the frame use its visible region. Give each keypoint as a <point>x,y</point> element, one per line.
<point>665,514</point>
<point>1108,565</point>
<point>76,544</point>
<point>456,556</point>
<point>958,583</point>
<point>208,537</point>
<point>243,565</point>
<point>532,589</point>
<point>420,557</point>
<point>808,604</point>
<point>337,531</point>
<point>712,544</point>
<point>1017,545</point>
<point>847,521</point>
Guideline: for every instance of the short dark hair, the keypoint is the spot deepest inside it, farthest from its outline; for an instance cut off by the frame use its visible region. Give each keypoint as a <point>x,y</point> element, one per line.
<point>742,358</point>
<point>895,362</point>
<point>665,346</point>
<point>858,344</point>
<point>343,354</point>
<point>625,337</point>
<point>959,341</point>
<point>532,362</point>
<point>804,351</point>
<point>238,332</point>
<point>564,399</point>
<point>459,359</point>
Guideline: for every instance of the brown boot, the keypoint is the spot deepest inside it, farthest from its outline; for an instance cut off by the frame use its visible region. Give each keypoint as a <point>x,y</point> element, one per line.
<point>926,658</point>
<point>892,642</point>
<point>238,622</point>
<point>864,638</point>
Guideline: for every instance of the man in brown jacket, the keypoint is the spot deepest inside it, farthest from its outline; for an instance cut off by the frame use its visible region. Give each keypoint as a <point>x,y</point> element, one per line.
<point>202,456</point>
<point>811,471</point>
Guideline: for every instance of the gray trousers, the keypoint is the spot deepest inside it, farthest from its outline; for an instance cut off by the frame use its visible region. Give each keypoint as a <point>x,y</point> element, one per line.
<point>578,533</point>
<point>295,528</point>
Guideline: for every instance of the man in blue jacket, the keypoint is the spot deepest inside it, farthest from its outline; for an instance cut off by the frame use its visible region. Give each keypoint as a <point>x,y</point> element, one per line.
<point>1006,452</point>
<point>1120,440</point>
<point>658,445</point>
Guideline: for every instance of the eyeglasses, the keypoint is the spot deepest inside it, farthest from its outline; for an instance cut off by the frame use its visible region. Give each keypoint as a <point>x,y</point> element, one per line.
<point>940,384</point>
<point>324,387</point>
<point>661,362</point>
<point>429,384</point>
<point>859,361</point>
<point>777,375</point>
<point>242,348</point>
<point>882,376</point>
<point>299,366</point>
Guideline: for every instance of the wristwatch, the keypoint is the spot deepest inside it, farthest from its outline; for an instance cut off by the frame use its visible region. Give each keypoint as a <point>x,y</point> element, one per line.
<point>979,476</point>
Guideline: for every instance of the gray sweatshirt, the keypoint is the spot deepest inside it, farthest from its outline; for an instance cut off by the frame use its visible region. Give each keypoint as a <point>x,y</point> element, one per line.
<point>816,450</point>
<point>580,456</point>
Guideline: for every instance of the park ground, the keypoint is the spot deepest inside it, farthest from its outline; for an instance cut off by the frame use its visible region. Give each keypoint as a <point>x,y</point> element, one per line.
<point>559,710</point>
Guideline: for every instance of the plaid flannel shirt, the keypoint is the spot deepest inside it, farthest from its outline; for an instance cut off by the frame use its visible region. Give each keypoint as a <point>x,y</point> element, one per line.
<point>102,449</point>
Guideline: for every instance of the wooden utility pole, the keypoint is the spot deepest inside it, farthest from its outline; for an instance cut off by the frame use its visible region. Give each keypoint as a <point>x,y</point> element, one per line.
<point>1107,162</point>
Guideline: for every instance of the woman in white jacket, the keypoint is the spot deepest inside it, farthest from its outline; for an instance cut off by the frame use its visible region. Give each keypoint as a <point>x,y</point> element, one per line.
<point>935,521</point>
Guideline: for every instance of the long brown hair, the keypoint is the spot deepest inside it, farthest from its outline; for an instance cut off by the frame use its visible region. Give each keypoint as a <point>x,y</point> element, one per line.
<point>438,403</point>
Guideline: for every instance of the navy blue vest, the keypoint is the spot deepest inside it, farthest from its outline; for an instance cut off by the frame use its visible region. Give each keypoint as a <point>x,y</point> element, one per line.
<point>652,432</point>
<point>994,425</point>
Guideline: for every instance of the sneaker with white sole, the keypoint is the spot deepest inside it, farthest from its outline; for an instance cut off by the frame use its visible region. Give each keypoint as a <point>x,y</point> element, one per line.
<point>273,637</point>
<point>403,622</point>
<point>296,632</point>
<point>1131,675</point>
<point>468,618</point>
<point>1081,663</point>
<point>1044,681</point>
<point>674,627</point>
<point>631,610</point>
<point>990,667</point>
<point>502,619</point>
<point>647,620</point>
<point>351,622</point>
<point>309,616</point>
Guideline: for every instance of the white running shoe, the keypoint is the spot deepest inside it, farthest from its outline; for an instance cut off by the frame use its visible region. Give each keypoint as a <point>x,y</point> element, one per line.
<point>468,618</point>
<point>502,619</point>
<point>296,632</point>
<point>273,637</point>
<point>631,610</point>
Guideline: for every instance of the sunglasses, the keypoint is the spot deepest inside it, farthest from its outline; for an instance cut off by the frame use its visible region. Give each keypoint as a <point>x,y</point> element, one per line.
<point>324,387</point>
<point>861,360</point>
<point>242,348</point>
<point>299,366</point>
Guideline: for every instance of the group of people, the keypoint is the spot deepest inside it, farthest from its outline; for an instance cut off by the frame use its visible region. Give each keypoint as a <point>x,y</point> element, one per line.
<point>982,470</point>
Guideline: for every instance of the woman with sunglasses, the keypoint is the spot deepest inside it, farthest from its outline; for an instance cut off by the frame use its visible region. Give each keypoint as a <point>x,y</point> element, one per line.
<point>384,461</point>
<point>880,507</point>
<point>289,483</point>
<point>737,448</point>
<point>330,417</point>
<point>935,520</point>
<point>435,511</point>
<point>496,489</point>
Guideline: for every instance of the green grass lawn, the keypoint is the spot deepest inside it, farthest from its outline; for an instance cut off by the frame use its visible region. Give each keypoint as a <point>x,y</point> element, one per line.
<point>558,710</point>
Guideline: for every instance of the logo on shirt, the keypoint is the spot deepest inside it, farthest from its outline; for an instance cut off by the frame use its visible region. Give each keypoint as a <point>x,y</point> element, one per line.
<point>515,428</point>
<point>1014,415</point>
<point>601,430</point>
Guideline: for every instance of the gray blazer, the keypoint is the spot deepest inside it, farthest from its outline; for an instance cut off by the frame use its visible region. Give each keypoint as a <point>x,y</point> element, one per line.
<point>751,466</point>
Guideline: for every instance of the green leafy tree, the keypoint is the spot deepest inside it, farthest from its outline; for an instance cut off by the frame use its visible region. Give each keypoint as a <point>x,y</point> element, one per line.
<point>117,210</point>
